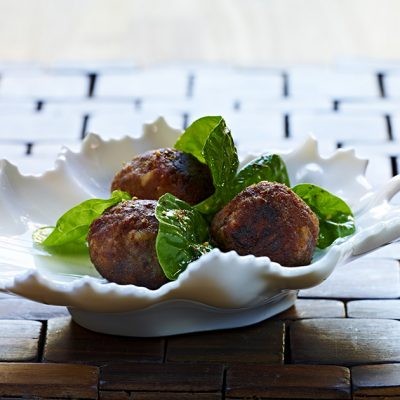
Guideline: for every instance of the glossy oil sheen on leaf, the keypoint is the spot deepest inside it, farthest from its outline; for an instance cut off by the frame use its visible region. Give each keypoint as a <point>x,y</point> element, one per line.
<point>335,217</point>
<point>182,235</point>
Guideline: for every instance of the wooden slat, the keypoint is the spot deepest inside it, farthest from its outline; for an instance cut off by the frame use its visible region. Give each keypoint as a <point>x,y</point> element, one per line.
<point>305,308</point>
<point>252,84</point>
<point>152,82</point>
<point>19,340</point>
<point>345,341</point>
<point>162,377</point>
<point>48,380</point>
<point>382,381</point>
<point>337,127</point>
<point>263,342</point>
<point>70,343</point>
<point>113,395</point>
<point>334,83</point>
<point>374,309</point>
<point>18,308</point>
<point>366,278</point>
<point>41,127</point>
<point>288,382</point>
<point>177,396</point>
<point>43,85</point>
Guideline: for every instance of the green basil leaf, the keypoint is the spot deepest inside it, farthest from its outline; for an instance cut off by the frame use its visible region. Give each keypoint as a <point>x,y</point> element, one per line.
<point>270,168</point>
<point>182,235</point>
<point>210,141</point>
<point>195,136</point>
<point>221,157</point>
<point>71,248</point>
<point>73,226</point>
<point>335,217</point>
<point>264,168</point>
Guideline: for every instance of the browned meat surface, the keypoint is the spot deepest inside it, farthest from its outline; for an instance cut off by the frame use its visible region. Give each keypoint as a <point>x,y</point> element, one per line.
<point>267,219</point>
<point>122,244</point>
<point>156,172</point>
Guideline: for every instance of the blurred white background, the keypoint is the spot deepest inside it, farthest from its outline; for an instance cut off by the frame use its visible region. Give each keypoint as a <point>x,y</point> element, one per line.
<point>243,32</point>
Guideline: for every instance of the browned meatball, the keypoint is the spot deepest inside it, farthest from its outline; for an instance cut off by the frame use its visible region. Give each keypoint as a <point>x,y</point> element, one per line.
<point>267,219</point>
<point>156,172</point>
<point>122,244</point>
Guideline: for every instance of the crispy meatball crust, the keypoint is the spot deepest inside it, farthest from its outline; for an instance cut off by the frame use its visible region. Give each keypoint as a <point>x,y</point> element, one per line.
<point>267,219</point>
<point>122,244</point>
<point>156,172</point>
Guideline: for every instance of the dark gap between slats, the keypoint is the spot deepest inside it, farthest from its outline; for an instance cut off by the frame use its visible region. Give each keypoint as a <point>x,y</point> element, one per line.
<point>286,126</point>
<point>165,349</point>
<point>351,383</point>
<point>335,105</point>
<point>138,103</point>
<point>28,148</point>
<point>190,85</point>
<point>223,388</point>
<point>285,91</point>
<point>84,126</point>
<point>185,120</point>
<point>39,105</point>
<point>346,315</point>
<point>287,351</point>
<point>394,165</point>
<point>42,341</point>
<point>381,84</point>
<point>389,127</point>
<point>92,83</point>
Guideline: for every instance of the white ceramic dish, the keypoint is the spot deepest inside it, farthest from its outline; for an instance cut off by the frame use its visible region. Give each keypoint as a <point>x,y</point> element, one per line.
<point>219,290</point>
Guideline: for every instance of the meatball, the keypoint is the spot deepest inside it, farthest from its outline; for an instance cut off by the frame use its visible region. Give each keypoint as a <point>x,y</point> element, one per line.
<point>156,172</point>
<point>122,244</point>
<point>267,219</point>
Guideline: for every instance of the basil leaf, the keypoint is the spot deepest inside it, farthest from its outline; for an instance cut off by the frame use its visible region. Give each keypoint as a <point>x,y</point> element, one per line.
<point>182,235</point>
<point>335,217</point>
<point>73,226</point>
<point>221,157</point>
<point>195,136</point>
<point>264,168</point>
<point>270,168</point>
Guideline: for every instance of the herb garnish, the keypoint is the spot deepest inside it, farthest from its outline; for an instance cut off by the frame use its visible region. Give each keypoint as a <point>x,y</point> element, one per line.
<point>182,235</point>
<point>210,140</point>
<point>335,217</point>
<point>72,227</point>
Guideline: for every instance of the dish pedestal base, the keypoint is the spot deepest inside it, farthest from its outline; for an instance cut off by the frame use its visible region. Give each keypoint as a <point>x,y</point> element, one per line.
<point>180,316</point>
